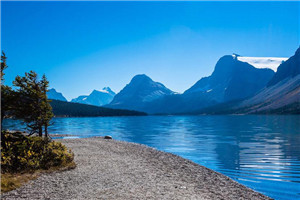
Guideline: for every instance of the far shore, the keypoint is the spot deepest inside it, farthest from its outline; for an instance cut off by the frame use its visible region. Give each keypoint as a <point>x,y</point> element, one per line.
<point>110,169</point>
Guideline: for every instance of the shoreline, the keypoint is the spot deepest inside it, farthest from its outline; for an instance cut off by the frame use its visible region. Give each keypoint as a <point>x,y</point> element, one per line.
<point>111,169</point>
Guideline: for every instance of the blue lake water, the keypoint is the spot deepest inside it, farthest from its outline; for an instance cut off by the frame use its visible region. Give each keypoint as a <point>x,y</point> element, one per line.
<point>261,152</point>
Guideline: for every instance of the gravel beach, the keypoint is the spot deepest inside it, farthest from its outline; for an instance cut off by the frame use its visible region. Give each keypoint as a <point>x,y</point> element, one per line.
<point>109,169</point>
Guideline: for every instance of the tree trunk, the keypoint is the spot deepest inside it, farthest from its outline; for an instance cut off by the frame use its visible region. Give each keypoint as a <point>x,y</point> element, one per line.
<point>1,120</point>
<point>46,131</point>
<point>40,131</point>
<point>2,116</point>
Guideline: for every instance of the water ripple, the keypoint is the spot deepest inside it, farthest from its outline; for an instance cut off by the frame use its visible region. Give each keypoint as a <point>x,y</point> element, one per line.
<point>261,152</point>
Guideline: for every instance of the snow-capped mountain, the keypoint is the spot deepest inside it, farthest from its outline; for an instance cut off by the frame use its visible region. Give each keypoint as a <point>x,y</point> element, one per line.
<point>53,94</point>
<point>138,93</point>
<point>97,97</point>
<point>263,62</point>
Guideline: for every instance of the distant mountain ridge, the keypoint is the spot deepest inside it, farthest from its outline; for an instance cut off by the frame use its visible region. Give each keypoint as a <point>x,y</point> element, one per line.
<point>53,94</point>
<point>231,80</point>
<point>97,97</point>
<point>235,86</point>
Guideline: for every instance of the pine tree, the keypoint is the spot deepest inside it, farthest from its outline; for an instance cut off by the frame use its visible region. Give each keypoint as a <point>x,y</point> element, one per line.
<point>33,106</point>
<point>7,94</point>
<point>46,107</point>
<point>3,66</point>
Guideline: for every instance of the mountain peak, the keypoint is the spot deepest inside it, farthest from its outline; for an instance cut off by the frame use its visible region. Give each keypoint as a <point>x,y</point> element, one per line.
<point>232,79</point>
<point>141,90</point>
<point>141,77</point>
<point>53,94</point>
<point>225,67</point>
<point>95,91</point>
<point>52,90</point>
<point>97,97</point>
<point>106,89</point>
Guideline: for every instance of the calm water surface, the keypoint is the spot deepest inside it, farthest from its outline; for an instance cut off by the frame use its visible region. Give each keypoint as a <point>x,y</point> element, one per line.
<point>261,152</point>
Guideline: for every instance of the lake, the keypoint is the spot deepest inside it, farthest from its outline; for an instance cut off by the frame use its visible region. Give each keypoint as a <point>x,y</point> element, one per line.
<point>261,152</point>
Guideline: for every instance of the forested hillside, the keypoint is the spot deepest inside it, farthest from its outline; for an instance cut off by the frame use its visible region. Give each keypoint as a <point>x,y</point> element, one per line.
<point>68,109</point>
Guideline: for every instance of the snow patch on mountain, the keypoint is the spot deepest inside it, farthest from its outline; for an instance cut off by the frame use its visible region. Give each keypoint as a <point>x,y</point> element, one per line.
<point>263,62</point>
<point>103,91</point>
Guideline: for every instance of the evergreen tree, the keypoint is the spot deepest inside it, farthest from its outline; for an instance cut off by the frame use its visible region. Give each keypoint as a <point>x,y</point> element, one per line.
<point>46,107</point>
<point>7,95</point>
<point>33,106</point>
<point>3,66</point>
<point>7,99</point>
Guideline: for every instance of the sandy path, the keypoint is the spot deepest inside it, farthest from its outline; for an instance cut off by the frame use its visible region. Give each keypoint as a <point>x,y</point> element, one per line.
<point>109,169</point>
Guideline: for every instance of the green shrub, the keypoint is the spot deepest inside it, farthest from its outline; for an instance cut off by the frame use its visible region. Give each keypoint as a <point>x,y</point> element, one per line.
<point>22,153</point>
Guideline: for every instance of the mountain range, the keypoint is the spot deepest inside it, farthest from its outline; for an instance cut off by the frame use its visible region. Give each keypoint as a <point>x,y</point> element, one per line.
<point>231,80</point>
<point>96,98</point>
<point>237,85</point>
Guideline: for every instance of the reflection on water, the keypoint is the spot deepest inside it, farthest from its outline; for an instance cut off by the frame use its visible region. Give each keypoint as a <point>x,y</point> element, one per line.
<point>262,152</point>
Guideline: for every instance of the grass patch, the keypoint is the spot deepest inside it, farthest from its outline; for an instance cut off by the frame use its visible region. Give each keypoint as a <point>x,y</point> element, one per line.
<point>11,181</point>
<point>25,158</point>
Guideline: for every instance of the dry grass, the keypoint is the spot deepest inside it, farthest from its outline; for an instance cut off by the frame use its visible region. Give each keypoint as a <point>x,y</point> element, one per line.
<point>11,181</point>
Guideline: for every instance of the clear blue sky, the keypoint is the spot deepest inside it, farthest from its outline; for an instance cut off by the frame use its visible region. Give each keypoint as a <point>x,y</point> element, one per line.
<point>82,46</point>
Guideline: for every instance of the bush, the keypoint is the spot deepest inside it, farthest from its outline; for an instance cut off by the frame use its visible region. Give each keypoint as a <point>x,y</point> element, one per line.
<point>21,153</point>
